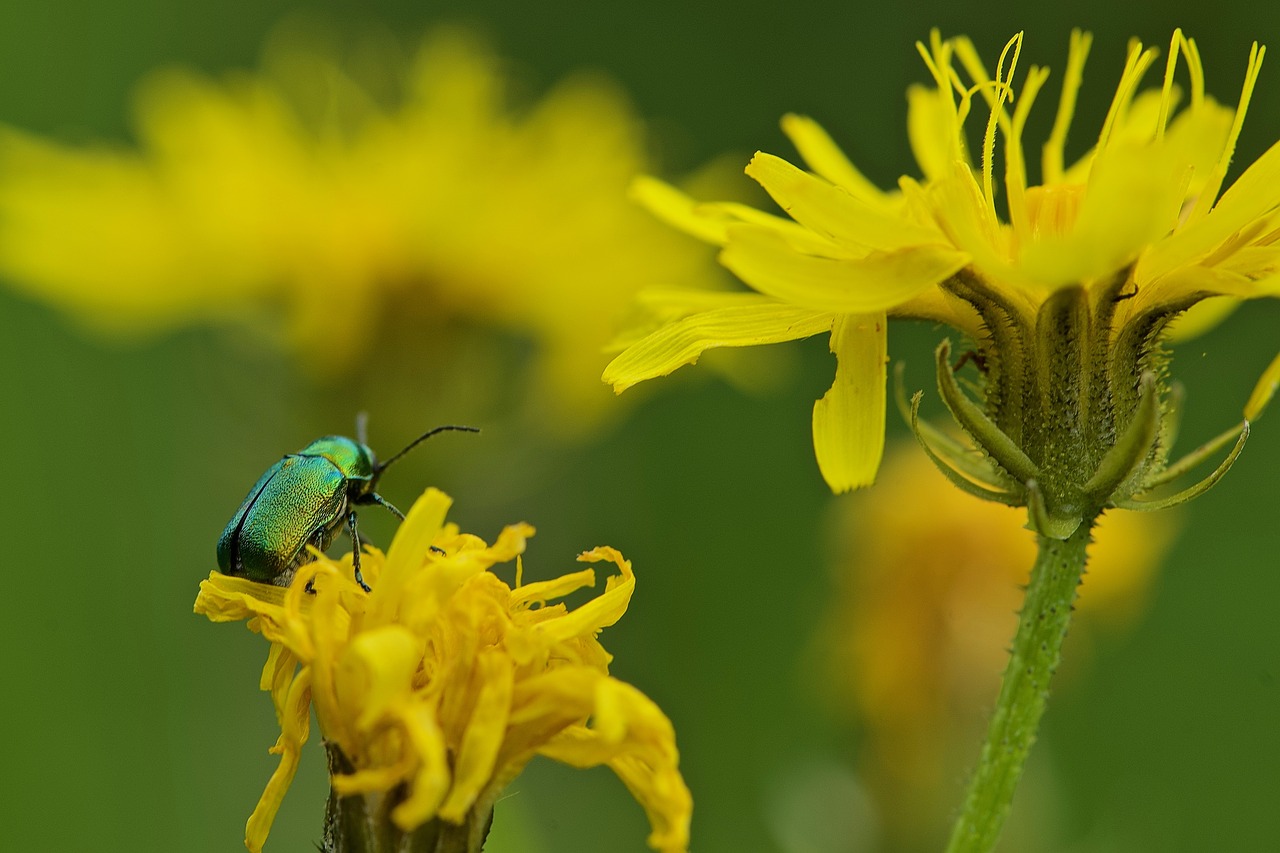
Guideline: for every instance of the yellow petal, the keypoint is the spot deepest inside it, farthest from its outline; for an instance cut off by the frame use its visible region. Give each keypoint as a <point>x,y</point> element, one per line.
<point>848,422</point>
<point>964,215</point>
<point>543,591</point>
<point>797,236</point>
<point>824,156</point>
<point>1263,391</point>
<point>223,598</point>
<point>424,593</point>
<point>375,672</point>
<point>678,210</point>
<point>603,610</point>
<point>665,797</point>
<point>486,727</point>
<point>1257,261</point>
<point>1201,317</point>
<point>879,282</point>
<point>1132,201</point>
<point>931,129</point>
<point>330,626</point>
<point>1251,197</point>
<point>431,780</point>
<point>680,343</point>
<point>551,701</point>
<point>293,734</point>
<point>1197,137</point>
<point>632,735</point>
<point>372,780</point>
<point>1196,281</point>
<point>832,211</point>
<point>409,548</point>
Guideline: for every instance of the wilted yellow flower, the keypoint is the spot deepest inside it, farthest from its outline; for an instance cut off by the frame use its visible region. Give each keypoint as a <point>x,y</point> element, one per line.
<point>436,688</point>
<point>928,584</point>
<point>295,200</point>
<point>1066,286</point>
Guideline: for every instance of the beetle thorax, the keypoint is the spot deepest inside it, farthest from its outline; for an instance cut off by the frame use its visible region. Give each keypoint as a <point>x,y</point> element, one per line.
<point>355,460</point>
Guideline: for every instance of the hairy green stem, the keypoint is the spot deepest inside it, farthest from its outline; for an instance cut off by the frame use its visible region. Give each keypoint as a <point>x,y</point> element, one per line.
<point>1037,648</point>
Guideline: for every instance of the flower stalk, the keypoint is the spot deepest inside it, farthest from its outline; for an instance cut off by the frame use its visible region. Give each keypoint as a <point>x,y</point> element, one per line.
<point>1074,418</point>
<point>1037,648</point>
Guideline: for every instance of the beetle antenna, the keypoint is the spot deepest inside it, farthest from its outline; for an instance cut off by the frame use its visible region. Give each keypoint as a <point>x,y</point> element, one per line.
<point>382,467</point>
<point>362,428</point>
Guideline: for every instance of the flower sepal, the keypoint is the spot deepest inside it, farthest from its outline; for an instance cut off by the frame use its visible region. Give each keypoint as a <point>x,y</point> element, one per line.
<point>1068,422</point>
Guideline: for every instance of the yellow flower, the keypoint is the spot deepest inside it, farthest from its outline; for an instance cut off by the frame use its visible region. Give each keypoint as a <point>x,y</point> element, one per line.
<point>440,685</point>
<point>1103,253</point>
<point>928,582</point>
<point>294,199</point>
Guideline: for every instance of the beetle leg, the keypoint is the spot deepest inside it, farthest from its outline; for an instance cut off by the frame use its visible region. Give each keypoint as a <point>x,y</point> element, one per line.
<point>355,551</point>
<point>375,498</point>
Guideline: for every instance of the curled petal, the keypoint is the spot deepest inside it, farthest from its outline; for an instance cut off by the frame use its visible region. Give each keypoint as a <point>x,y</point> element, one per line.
<point>600,612</point>
<point>542,591</point>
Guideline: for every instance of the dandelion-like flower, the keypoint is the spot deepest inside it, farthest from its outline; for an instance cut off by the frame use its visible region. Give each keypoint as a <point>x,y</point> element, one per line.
<point>434,690</point>
<point>1066,292</point>
<point>296,200</point>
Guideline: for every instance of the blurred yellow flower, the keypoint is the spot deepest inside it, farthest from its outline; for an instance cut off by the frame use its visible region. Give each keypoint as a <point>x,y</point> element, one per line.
<point>1103,253</point>
<point>928,584</point>
<point>437,688</point>
<point>294,199</point>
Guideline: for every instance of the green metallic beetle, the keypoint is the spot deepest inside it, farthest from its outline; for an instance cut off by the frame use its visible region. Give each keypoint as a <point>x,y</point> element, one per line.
<point>302,500</point>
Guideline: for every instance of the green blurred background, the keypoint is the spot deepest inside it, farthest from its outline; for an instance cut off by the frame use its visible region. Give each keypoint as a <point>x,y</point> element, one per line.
<point>131,724</point>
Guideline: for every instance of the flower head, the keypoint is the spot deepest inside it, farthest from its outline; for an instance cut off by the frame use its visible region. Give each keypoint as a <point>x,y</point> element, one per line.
<point>296,199</point>
<point>1066,286</point>
<point>440,685</point>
